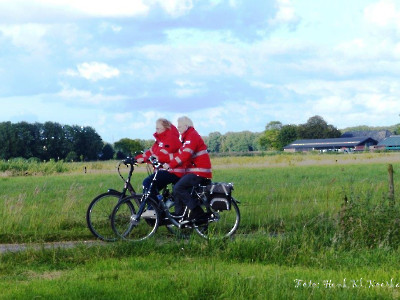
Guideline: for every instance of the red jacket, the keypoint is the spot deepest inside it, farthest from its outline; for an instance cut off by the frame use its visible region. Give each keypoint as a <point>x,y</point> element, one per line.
<point>166,143</point>
<point>193,155</point>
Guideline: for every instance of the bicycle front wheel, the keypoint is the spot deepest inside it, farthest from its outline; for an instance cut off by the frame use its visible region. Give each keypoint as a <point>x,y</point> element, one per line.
<point>125,224</point>
<point>222,224</point>
<point>98,216</point>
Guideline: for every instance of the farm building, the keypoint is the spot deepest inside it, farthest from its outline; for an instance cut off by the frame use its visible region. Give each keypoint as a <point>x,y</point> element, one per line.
<point>334,144</point>
<point>377,135</point>
<point>390,143</point>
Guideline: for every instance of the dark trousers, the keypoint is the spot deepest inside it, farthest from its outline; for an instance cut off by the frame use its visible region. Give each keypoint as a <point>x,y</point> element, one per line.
<point>183,190</point>
<point>162,180</point>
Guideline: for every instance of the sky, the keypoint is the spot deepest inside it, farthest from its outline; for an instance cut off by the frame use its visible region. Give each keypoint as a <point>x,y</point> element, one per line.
<point>229,65</point>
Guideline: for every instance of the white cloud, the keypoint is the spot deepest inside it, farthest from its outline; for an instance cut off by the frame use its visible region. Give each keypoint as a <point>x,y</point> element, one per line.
<point>81,96</point>
<point>99,8</point>
<point>94,71</point>
<point>331,105</point>
<point>285,14</point>
<point>29,36</point>
<point>383,13</point>
<point>187,88</point>
<point>175,8</point>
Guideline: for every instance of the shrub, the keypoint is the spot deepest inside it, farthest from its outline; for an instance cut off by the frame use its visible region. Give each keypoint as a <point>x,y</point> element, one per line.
<point>71,156</point>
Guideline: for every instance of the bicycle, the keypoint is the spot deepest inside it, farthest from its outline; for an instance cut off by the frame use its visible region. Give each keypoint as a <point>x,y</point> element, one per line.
<point>215,198</point>
<point>98,214</point>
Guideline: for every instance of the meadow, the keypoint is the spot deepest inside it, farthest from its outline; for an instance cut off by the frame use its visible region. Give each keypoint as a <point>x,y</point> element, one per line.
<point>313,226</point>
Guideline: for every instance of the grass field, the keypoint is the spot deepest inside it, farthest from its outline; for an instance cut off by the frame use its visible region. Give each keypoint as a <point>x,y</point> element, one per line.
<point>313,226</point>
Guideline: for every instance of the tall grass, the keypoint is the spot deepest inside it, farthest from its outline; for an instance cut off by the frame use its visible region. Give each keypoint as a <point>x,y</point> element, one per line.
<point>274,200</point>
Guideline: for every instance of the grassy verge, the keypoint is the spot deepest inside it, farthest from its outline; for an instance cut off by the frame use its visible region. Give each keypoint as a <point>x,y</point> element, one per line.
<point>240,269</point>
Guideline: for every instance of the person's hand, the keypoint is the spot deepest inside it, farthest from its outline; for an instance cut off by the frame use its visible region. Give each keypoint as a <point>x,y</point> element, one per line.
<point>166,166</point>
<point>140,160</point>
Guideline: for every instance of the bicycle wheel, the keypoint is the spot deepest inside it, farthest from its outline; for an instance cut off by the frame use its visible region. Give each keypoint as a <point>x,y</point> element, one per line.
<point>125,225</point>
<point>98,216</point>
<point>180,233</point>
<point>221,224</point>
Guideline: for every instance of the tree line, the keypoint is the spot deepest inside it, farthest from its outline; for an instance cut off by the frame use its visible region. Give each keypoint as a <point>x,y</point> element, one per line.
<point>274,137</point>
<point>82,143</point>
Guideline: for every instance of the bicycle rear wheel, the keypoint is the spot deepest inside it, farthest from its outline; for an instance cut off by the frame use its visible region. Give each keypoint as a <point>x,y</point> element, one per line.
<point>125,225</point>
<point>222,224</point>
<point>98,216</point>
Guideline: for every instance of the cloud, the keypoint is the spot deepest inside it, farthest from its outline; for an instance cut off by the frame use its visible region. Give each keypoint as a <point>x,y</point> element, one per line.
<point>285,14</point>
<point>175,8</point>
<point>62,10</point>
<point>65,10</point>
<point>94,71</point>
<point>383,13</point>
<point>82,97</point>
<point>27,36</point>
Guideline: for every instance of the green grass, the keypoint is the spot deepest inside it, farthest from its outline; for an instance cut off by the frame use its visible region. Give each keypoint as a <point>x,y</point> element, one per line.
<point>240,269</point>
<point>295,226</point>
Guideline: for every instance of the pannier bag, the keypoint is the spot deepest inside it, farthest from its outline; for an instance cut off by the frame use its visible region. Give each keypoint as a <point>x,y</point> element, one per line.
<point>219,195</point>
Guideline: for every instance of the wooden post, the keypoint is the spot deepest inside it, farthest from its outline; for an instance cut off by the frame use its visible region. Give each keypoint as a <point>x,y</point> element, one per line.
<point>391,184</point>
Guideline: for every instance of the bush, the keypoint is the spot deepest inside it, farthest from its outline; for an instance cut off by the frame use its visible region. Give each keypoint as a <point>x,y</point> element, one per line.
<point>71,157</point>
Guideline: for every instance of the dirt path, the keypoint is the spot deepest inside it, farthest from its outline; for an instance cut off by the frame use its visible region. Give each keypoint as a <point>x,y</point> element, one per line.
<point>4,248</point>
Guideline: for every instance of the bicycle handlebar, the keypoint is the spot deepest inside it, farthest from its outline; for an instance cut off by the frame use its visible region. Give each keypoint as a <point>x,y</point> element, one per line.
<point>154,161</point>
<point>129,161</point>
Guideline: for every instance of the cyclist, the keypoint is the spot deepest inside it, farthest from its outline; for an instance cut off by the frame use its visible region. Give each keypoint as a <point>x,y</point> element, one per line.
<point>166,142</point>
<point>194,155</point>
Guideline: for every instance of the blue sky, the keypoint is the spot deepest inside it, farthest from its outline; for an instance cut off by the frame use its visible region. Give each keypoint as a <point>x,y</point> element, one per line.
<point>230,65</point>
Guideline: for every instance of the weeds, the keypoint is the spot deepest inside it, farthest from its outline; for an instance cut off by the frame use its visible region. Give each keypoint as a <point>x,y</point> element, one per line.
<point>364,223</point>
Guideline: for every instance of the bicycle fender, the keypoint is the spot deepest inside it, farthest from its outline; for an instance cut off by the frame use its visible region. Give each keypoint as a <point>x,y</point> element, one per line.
<point>114,192</point>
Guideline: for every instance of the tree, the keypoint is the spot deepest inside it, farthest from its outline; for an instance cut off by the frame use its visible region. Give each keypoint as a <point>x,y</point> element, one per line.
<point>107,152</point>
<point>317,128</point>
<point>27,140</point>
<point>128,146</point>
<point>287,134</point>
<point>53,141</point>
<point>269,139</point>
<point>71,157</point>
<point>397,129</point>
<point>92,144</point>
<point>7,141</point>
<point>213,141</point>
<point>84,141</point>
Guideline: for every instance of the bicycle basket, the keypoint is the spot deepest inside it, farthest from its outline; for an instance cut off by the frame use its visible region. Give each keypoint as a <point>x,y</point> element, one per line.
<point>219,195</point>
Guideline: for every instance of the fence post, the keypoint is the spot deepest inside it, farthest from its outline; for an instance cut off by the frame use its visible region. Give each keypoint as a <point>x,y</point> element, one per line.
<point>391,184</point>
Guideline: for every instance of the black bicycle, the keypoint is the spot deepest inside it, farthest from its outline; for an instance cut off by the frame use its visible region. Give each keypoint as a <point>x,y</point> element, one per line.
<point>131,220</point>
<point>98,214</point>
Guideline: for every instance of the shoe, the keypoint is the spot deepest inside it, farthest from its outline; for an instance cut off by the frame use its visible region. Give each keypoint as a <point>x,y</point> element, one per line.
<point>149,214</point>
<point>197,216</point>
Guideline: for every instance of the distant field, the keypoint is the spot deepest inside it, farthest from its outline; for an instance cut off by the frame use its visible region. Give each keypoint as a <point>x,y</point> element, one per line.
<point>306,219</point>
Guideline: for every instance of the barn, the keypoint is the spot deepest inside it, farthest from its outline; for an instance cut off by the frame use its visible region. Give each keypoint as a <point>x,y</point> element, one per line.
<point>333,144</point>
<point>390,143</point>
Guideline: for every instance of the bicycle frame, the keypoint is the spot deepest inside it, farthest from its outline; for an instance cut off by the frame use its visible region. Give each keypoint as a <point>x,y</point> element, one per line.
<point>146,196</point>
<point>127,220</point>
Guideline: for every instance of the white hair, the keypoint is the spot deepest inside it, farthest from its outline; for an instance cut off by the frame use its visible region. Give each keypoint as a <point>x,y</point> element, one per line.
<point>185,121</point>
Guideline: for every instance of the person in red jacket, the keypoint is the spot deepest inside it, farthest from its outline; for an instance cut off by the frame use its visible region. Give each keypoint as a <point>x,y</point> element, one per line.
<point>166,142</point>
<point>194,156</point>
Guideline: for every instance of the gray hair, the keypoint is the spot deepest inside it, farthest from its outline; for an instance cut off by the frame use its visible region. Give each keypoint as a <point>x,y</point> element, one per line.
<point>185,121</point>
